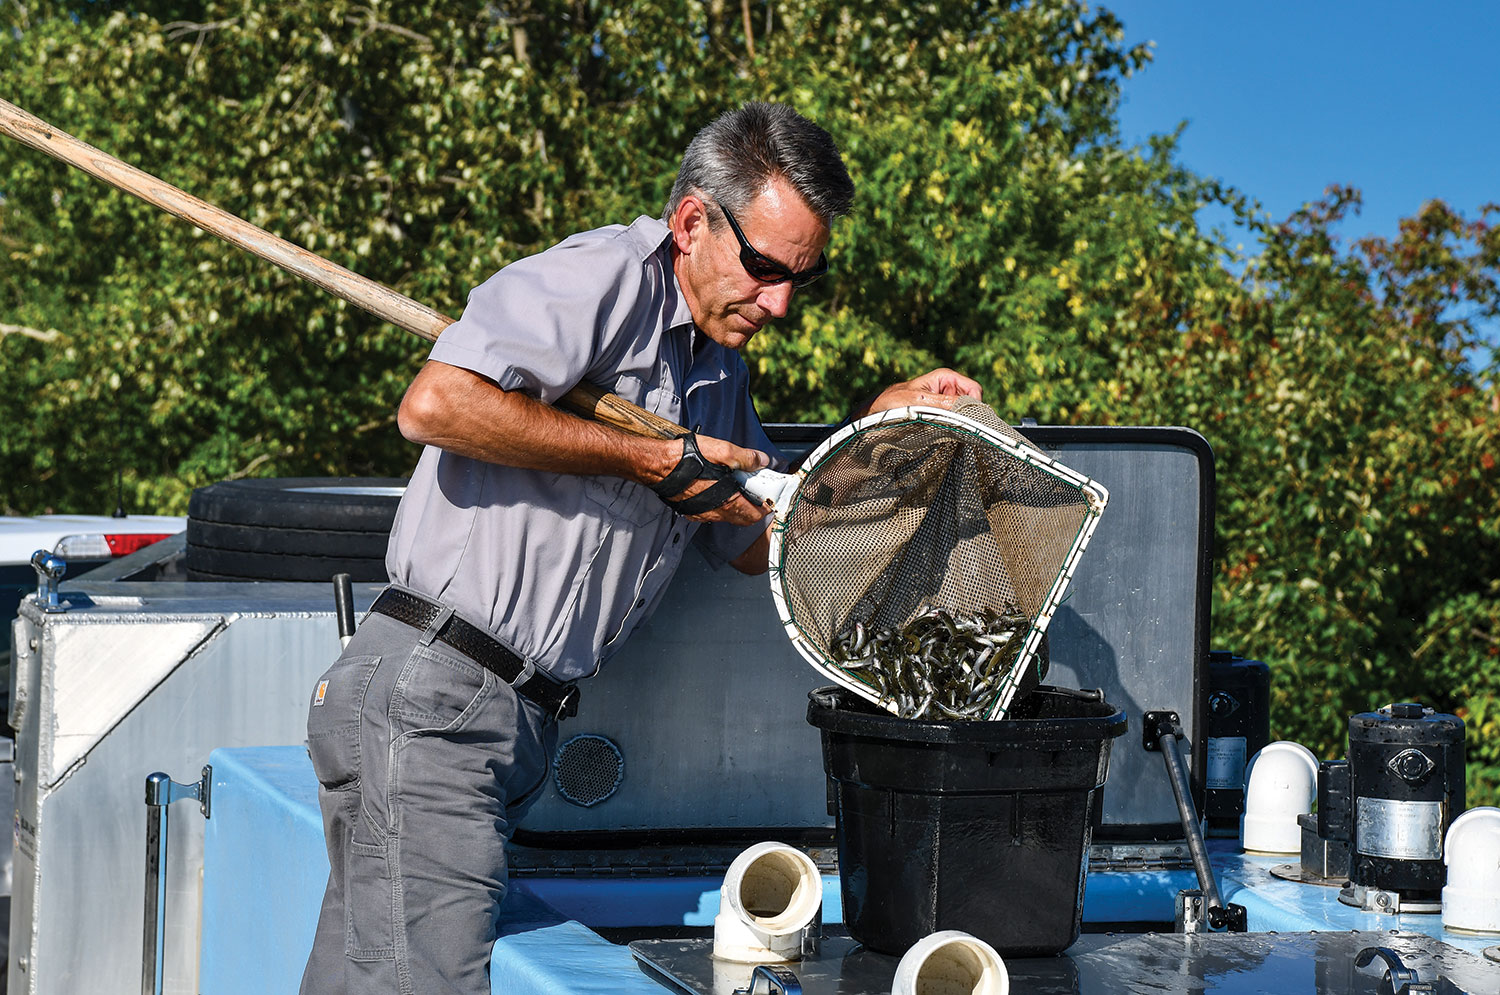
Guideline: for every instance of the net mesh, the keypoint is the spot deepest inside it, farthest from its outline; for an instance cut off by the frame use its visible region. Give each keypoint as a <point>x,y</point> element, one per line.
<point>910,516</point>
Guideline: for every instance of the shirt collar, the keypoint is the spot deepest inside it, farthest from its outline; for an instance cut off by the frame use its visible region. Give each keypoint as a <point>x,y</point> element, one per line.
<point>709,361</point>
<point>681,313</point>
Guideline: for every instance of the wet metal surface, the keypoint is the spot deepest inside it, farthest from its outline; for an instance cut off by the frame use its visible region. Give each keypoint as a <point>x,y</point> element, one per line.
<point>1138,964</point>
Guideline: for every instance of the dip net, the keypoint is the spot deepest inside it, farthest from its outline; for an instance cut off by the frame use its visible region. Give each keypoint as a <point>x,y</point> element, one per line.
<point>923,556</point>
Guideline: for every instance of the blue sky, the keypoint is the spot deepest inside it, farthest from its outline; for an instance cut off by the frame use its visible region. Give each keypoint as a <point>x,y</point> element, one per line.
<point>1399,99</point>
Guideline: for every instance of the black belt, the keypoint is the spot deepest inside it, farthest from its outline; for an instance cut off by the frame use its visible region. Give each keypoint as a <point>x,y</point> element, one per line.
<point>560,700</point>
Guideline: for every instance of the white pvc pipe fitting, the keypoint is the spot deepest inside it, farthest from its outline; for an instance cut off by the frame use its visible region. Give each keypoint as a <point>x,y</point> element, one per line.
<point>770,906</point>
<point>1471,898</point>
<point>951,962</point>
<point>1280,784</point>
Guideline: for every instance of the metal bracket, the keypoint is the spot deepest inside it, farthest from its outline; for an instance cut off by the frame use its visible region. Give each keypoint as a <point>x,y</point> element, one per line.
<point>1155,725</point>
<point>50,569</point>
<point>162,790</point>
<point>1372,899</point>
<point>1191,915</point>
<point>778,981</point>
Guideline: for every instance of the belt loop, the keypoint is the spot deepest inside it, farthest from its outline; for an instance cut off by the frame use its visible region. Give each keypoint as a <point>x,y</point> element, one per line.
<point>528,671</point>
<point>435,626</point>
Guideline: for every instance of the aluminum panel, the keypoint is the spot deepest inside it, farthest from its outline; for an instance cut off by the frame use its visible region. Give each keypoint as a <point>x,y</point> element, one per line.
<point>79,888</point>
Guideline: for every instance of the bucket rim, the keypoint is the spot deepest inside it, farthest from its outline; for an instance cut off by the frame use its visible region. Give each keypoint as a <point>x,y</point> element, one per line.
<point>883,725</point>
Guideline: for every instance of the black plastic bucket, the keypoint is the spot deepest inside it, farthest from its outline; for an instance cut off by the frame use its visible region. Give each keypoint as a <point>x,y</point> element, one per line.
<point>978,826</point>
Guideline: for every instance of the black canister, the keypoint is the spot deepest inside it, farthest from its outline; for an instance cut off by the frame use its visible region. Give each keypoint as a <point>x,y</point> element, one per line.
<point>977,826</point>
<point>1406,782</point>
<point>1239,725</point>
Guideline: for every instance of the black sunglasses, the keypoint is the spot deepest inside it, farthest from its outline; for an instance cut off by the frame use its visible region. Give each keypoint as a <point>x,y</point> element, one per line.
<point>768,270</point>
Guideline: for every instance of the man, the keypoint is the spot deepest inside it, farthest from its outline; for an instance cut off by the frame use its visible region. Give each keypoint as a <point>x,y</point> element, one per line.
<point>531,543</point>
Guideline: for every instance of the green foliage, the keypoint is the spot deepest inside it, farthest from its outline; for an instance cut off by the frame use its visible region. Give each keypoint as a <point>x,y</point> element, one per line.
<point>1357,514</point>
<point>1001,227</point>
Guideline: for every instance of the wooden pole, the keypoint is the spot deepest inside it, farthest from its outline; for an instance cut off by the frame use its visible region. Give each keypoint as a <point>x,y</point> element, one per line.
<point>585,400</point>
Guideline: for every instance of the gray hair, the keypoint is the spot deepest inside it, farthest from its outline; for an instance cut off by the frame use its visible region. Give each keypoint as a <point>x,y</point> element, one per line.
<point>733,158</point>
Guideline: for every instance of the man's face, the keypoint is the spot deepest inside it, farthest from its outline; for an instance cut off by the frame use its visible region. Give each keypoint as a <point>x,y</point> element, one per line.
<point>728,304</point>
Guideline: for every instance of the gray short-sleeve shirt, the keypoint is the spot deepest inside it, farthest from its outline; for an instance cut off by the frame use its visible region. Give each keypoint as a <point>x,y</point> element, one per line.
<point>562,568</point>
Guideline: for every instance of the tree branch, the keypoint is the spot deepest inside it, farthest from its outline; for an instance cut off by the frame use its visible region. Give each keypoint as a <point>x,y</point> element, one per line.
<point>249,467</point>
<point>371,24</point>
<point>749,28</point>
<point>181,29</point>
<point>31,333</point>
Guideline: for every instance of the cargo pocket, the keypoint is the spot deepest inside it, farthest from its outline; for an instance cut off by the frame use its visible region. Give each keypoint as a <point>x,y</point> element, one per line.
<point>333,721</point>
<point>369,903</point>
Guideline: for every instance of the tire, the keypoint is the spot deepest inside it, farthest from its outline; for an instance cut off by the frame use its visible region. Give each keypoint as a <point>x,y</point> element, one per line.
<point>291,528</point>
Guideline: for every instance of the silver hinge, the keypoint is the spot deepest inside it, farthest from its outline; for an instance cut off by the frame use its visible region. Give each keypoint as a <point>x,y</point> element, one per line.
<point>1139,857</point>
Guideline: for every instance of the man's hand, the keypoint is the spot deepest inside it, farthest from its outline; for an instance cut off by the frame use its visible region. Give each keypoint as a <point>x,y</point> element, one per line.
<point>938,389</point>
<point>737,509</point>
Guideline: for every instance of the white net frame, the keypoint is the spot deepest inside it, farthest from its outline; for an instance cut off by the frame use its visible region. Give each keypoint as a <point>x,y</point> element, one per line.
<point>1093,499</point>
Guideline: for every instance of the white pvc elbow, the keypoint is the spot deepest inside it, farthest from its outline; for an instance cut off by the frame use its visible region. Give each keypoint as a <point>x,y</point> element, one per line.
<point>770,906</point>
<point>1280,784</point>
<point>951,962</point>
<point>1471,898</point>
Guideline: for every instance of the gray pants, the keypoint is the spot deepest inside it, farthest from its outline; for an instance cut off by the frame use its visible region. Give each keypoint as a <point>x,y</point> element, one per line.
<point>425,762</point>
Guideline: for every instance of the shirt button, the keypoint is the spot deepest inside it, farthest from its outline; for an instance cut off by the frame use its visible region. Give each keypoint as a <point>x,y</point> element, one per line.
<point>640,602</point>
<point>676,538</point>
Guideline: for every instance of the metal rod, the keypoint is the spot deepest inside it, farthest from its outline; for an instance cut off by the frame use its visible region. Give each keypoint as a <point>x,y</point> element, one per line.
<point>161,792</point>
<point>154,926</point>
<point>1177,775</point>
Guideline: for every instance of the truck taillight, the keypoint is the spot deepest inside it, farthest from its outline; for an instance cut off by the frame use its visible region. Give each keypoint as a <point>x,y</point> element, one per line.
<point>124,544</point>
<point>99,546</point>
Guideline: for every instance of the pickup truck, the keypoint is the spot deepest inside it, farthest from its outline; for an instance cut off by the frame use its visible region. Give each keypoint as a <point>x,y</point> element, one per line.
<point>692,746</point>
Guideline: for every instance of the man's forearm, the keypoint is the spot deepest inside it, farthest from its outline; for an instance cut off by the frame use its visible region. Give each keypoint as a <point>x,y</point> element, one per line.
<point>463,413</point>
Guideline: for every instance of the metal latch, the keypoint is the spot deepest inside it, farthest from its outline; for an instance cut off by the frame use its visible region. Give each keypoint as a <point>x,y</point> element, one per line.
<point>49,569</point>
<point>777,981</point>
<point>1397,978</point>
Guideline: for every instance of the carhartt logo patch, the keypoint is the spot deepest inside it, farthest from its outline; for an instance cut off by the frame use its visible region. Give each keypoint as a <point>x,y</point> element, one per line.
<point>322,693</point>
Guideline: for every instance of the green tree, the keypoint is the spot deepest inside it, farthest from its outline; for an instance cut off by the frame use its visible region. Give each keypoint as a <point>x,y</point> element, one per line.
<point>1002,227</point>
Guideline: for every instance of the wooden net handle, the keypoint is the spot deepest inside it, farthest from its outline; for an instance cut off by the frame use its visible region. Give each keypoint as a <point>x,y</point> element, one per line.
<point>585,400</point>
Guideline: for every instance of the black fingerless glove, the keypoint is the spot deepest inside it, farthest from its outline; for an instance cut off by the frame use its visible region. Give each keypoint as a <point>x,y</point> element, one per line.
<point>693,466</point>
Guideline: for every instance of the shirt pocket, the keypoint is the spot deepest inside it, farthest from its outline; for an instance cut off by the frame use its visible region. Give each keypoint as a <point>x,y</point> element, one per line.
<point>624,500</point>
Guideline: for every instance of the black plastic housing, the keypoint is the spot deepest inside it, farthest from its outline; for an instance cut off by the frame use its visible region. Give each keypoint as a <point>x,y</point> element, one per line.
<point>1239,726</point>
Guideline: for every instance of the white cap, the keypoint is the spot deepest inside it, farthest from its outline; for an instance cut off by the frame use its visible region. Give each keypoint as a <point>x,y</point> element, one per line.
<point>1471,898</point>
<point>1280,784</point>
